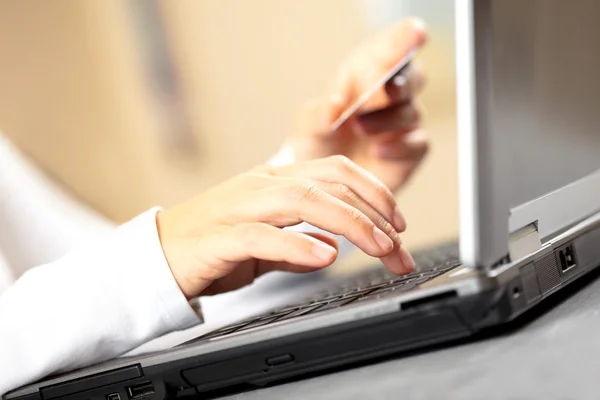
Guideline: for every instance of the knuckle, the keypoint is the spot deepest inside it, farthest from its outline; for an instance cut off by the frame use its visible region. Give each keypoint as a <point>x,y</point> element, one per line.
<point>342,163</point>
<point>388,229</point>
<point>345,192</point>
<point>293,243</point>
<point>269,170</point>
<point>380,221</point>
<point>286,240</point>
<point>263,170</point>
<point>304,190</point>
<point>382,192</point>
<point>251,235</point>
<point>355,216</point>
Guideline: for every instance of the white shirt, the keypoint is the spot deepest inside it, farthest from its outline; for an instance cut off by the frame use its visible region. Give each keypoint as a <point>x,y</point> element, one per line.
<point>112,294</point>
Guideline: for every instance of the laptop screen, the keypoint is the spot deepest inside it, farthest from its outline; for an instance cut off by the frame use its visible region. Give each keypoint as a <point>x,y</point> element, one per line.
<point>529,119</point>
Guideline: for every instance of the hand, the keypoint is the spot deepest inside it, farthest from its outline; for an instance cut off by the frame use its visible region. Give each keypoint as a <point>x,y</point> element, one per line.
<point>226,237</point>
<point>385,138</point>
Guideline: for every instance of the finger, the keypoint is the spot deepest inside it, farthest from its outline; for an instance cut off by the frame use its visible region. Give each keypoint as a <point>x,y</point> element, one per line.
<point>406,85</point>
<point>341,170</point>
<point>394,261</point>
<point>399,118</point>
<point>268,266</point>
<point>395,42</point>
<point>314,117</point>
<point>376,58</point>
<point>329,240</point>
<point>304,201</point>
<point>266,242</point>
<point>349,197</point>
<point>413,146</point>
<point>329,213</point>
<point>399,260</point>
<point>407,260</point>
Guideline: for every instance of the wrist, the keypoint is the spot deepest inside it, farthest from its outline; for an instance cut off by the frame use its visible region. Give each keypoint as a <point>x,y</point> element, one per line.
<point>176,253</point>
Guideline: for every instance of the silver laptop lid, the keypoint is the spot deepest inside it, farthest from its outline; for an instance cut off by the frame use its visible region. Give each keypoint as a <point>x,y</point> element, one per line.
<point>528,87</point>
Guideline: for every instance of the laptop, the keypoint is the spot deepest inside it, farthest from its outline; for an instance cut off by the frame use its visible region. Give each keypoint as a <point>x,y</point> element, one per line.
<point>529,173</point>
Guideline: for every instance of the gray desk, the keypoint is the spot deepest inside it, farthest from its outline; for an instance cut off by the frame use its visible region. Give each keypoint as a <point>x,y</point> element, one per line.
<point>554,356</point>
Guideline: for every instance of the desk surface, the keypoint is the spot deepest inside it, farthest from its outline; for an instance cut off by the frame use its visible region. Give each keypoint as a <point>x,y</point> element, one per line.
<point>553,354</point>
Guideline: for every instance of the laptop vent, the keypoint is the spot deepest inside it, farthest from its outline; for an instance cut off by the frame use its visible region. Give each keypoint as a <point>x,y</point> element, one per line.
<point>547,272</point>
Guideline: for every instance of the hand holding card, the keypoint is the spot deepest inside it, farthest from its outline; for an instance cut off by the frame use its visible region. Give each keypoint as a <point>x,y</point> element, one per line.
<point>370,112</point>
<point>394,77</point>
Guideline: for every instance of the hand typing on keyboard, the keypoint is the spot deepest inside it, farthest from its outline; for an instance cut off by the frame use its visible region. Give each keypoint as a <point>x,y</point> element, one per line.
<point>370,285</point>
<point>228,236</point>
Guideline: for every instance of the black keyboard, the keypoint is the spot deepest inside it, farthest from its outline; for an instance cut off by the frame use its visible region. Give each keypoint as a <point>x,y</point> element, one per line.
<point>375,283</point>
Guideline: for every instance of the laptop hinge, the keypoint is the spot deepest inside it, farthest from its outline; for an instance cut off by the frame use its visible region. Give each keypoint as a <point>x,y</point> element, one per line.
<point>524,241</point>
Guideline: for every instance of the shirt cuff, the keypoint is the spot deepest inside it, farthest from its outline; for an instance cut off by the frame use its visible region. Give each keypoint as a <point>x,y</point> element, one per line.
<point>177,312</point>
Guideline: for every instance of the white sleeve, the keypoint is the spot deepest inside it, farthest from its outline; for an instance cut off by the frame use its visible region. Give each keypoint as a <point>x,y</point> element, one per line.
<point>39,220</point>
<point>91,305</point>
<point>286,156</point>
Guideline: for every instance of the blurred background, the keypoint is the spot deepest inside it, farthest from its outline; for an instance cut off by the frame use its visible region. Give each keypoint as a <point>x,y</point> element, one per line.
<point>130,104</point>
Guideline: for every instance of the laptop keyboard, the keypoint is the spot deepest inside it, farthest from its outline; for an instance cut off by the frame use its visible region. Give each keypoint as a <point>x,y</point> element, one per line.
<point>372,284</point>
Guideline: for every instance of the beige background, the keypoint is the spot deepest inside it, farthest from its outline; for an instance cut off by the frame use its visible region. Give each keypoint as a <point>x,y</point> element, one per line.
<point>77,95</point>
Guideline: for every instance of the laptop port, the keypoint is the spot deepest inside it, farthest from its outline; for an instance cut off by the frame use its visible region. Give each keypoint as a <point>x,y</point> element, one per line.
<point>516,292</point>
<point>113,396</point>
<point>567,258</point>
<point>570,256</point>
<point>140,391</point>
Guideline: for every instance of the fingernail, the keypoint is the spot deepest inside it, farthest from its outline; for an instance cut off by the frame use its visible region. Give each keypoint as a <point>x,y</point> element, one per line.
<point>407,260</point>
<point>399,221</point>
<point>323,251</point>
<point>383,241</point>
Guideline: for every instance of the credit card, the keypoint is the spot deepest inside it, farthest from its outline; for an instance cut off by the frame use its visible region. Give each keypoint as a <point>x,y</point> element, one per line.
<point>396,70</point>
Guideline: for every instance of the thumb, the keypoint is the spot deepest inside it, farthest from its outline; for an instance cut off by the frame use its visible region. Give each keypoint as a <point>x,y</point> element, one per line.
<point>312,136</point>
<point>266,266</point>
<point>315,117</point>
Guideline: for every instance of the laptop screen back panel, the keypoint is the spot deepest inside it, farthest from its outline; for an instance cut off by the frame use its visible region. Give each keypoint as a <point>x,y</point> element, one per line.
<point>528,95</point>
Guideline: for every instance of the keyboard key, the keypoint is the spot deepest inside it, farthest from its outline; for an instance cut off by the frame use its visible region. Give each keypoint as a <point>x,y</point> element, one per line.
<point>384,293</point>
<point>357,293</point>
<point>289,308</point>
<point>383,290</point>
<point>300,312</point>
<point>259,322</point>
<point>335,304</point>
<point>219,332</point>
